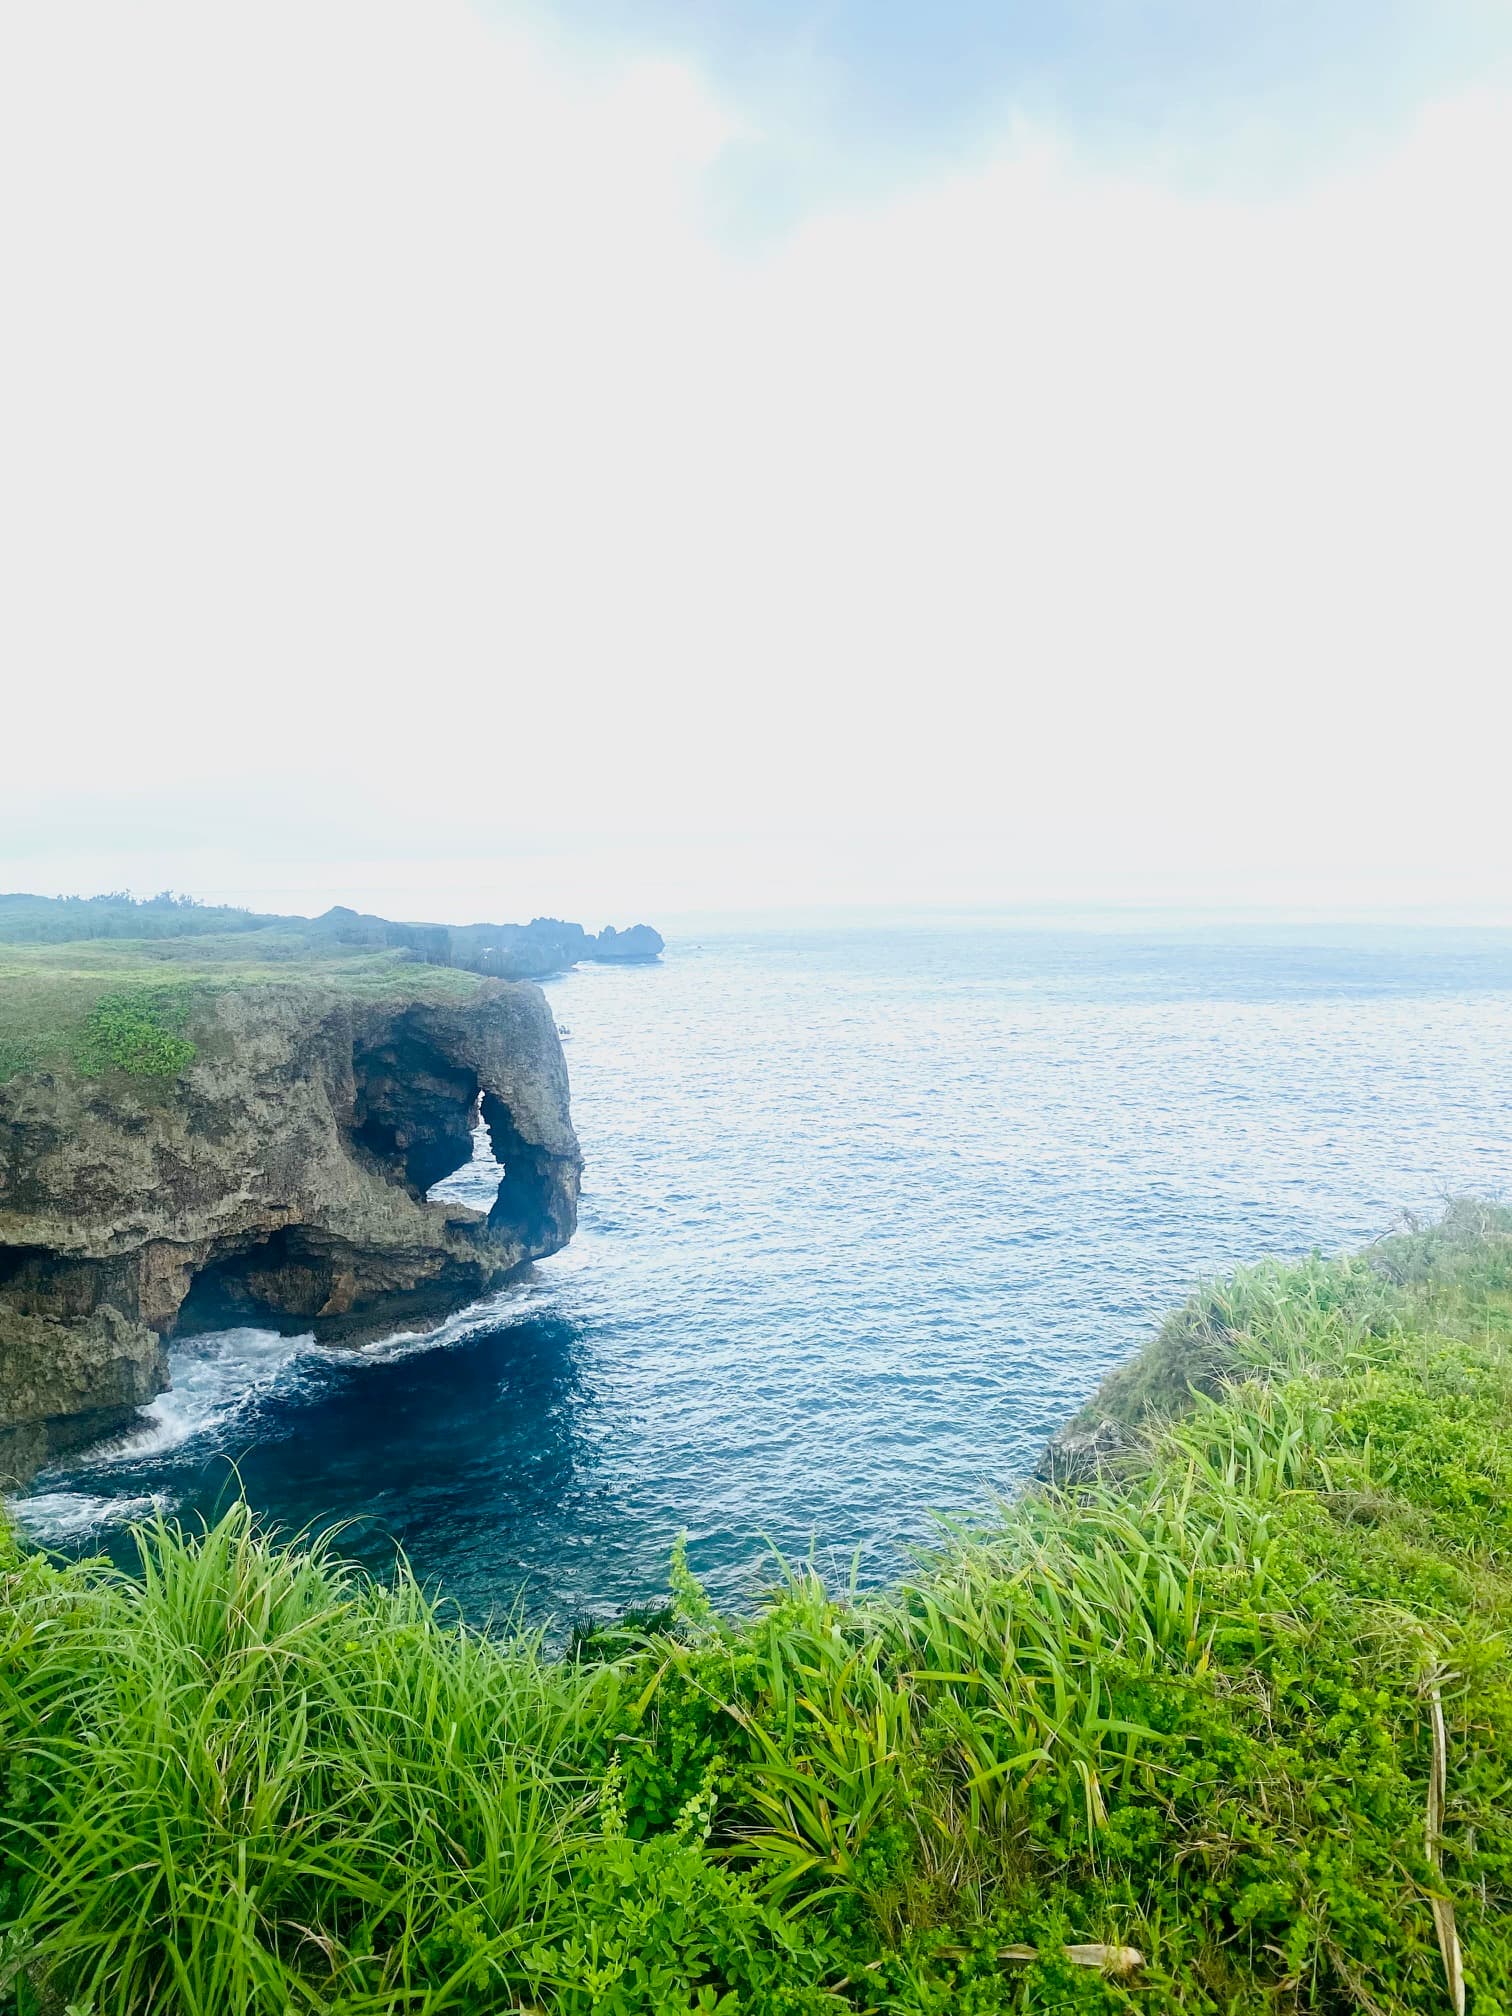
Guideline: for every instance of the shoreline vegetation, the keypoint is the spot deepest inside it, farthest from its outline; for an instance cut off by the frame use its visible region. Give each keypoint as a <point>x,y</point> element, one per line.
<point>1221,1725</point>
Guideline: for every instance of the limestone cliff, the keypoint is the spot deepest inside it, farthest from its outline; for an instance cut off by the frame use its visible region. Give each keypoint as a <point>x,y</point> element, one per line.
<point>282,1176</point>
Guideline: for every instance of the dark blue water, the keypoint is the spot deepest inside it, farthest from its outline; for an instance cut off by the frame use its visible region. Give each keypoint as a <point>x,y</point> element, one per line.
<point>865,1215</point>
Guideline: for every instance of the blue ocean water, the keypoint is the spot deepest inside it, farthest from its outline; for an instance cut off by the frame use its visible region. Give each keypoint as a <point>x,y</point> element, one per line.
<point>865,1215</point>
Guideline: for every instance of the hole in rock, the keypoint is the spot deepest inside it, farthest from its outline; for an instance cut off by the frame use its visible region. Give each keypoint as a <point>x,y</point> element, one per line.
<point>414,1109</point>
<point>17,1260</point>
<point>274,1282</point>
<point>477,1182</point>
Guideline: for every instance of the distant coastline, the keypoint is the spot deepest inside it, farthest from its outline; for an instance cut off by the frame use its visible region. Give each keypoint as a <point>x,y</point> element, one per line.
<point>505,951</point>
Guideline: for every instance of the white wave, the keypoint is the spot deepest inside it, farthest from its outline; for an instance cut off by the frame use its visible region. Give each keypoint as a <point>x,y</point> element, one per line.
<point>217,1377</point>
<point>506,1305</point>
<point>54,1517</point>
<point>214,1377</point>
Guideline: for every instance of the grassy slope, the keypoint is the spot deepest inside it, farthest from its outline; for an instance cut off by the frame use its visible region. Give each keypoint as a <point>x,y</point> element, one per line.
<point>1190,1711</point>
<point>51,996</point>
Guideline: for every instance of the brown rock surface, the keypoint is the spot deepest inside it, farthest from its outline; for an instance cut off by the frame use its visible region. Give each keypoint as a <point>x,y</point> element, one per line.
<point>280,1178</point>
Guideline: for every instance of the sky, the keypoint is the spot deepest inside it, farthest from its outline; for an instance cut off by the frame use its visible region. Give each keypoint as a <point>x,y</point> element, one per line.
<point>473,460</point>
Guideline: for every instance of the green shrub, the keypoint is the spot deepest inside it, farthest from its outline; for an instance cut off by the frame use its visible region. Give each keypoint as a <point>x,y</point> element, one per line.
<point>137,1031</point>
<point>16,1055</point>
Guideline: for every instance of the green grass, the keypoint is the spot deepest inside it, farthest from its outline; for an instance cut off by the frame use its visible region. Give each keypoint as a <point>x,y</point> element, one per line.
<point>100,1005</point>
<point>1190,1710</point>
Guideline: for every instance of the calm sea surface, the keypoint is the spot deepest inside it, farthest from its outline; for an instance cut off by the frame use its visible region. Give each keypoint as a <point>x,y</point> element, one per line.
<point>865,1215</point>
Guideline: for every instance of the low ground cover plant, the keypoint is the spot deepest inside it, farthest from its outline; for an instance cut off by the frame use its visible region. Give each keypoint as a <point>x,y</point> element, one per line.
<point>1226,1727</point>
<point>138,1030</point>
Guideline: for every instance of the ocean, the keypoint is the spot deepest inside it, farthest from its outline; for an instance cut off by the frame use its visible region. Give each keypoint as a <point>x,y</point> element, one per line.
<point>866,1214</point>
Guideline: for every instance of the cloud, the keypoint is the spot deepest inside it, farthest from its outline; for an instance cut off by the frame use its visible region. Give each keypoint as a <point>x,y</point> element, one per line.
<point>398,469</point>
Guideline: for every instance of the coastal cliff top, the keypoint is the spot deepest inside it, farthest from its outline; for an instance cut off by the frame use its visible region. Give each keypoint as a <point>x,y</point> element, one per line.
<point>89,984</point>
<point>93,1005</point>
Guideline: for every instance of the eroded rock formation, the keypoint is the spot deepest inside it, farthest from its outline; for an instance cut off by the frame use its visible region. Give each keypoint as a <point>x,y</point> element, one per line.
<point>281,1178</point>
<point>639,942</point>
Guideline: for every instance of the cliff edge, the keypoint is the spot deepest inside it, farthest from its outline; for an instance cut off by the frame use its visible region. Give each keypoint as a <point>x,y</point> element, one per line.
<point>271,1166</point>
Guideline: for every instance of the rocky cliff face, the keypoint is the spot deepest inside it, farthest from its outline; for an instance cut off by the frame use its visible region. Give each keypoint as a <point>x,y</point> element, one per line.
<point>281,1178</point>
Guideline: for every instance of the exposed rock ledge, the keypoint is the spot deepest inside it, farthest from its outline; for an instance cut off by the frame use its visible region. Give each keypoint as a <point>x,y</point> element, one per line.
<point>281,1178</point>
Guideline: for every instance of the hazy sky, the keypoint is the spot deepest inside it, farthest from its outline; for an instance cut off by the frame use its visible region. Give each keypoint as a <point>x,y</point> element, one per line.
<point>621,459</point>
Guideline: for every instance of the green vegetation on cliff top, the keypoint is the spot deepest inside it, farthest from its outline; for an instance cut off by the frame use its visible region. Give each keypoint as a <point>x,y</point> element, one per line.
<point>1245,1707</point>
<point>111,984</point>
<point>127,1004</point>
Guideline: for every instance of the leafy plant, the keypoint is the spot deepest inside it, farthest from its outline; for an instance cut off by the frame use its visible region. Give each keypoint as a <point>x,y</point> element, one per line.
<point>138,1031</point>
